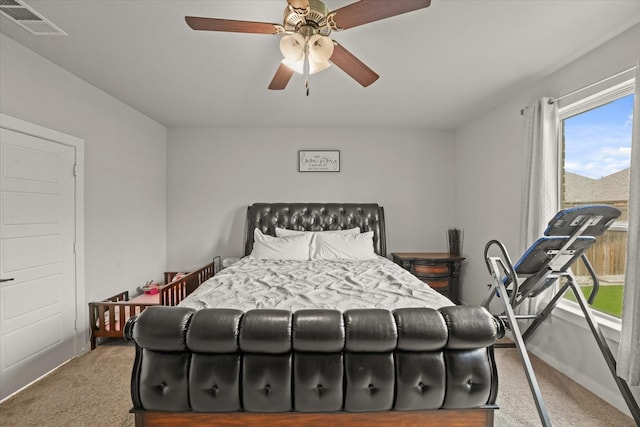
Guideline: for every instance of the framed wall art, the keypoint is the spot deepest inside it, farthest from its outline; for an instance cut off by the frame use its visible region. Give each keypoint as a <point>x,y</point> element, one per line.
<point>319,161</point>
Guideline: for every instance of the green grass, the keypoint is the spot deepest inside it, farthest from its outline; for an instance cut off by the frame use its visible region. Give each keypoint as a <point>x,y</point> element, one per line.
<point>609,299</point>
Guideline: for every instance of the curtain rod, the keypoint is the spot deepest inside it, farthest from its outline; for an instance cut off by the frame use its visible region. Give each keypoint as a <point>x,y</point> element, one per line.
<point>552,100</point>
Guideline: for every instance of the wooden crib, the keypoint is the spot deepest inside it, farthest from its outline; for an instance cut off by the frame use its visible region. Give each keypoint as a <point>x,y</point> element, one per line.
<point>108,317</point>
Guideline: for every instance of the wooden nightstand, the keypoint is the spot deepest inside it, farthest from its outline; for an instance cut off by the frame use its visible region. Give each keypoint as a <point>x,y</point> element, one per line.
<point>440,270</point>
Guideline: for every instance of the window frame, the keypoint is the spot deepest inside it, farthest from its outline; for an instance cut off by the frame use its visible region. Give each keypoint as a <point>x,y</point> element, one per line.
<point>571,310</point>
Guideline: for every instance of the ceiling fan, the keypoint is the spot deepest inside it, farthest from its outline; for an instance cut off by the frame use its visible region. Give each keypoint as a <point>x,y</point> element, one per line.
<point>305,42</point>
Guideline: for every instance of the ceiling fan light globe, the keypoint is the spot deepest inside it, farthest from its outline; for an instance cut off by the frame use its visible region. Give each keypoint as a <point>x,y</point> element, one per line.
<point>296,66</point>
<point>316,67</point>
<point>320,48</point>
<point>292,47</point>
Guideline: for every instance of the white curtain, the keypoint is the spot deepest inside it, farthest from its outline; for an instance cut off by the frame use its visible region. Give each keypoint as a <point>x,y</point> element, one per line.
<point>628,359</point>
<point>540,200</point>
<point>540,197</point>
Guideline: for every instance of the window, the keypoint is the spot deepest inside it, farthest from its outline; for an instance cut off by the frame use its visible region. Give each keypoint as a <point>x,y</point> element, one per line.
<point>596,155</point>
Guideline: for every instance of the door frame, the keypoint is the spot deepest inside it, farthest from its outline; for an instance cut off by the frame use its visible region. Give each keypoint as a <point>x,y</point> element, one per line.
<point>17,125</point>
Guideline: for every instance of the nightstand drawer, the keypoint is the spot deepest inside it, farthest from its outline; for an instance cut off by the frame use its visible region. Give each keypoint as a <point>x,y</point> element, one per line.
<point>437,284</point>
<point>431,269</point>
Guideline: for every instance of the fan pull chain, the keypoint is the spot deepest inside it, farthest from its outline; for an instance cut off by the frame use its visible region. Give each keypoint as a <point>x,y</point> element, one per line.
<point>306,65</point>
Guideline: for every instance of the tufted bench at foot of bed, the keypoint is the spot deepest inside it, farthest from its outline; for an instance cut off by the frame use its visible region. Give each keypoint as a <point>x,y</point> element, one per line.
<point>277,367</point>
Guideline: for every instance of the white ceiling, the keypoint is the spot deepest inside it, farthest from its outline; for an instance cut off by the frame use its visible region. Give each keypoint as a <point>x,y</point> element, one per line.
<point>438,66</point>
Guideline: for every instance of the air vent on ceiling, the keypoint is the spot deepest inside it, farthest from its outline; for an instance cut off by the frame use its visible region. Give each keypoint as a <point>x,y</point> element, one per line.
<point>25,16</point>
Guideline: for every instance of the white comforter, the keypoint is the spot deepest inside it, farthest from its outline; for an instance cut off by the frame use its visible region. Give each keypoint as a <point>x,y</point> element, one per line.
<point>294,285</point>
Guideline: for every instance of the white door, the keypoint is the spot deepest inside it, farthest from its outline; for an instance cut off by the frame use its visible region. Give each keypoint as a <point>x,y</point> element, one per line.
<point>37,229</point>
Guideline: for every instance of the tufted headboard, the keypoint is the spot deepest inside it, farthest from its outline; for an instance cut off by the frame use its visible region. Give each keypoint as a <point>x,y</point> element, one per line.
<point>317,217</point>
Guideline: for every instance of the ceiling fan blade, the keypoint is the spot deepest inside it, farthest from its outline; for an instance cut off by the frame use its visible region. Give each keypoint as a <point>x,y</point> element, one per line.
<point>230,25</point>
<point>281,78</point>
<point>351,65</point>
<point>365,11</point>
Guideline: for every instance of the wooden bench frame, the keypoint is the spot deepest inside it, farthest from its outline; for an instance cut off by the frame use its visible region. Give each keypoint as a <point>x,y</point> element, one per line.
<point>108,317</point>
<point>480,417</point>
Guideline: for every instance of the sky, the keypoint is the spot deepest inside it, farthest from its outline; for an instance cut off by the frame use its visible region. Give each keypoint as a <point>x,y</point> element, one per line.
<point>598,142</point>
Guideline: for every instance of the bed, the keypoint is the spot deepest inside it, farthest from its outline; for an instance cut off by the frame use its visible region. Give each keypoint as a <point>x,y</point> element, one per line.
<point>289,339</point>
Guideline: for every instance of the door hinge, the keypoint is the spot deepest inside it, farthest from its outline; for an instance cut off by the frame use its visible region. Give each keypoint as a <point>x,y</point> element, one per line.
<point>74,169</point>
<point>74,247</point>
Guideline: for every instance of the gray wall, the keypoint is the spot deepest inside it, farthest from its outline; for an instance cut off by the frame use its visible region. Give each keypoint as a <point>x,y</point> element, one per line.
<point>407,171</point>
<point>489,161</point>
<point>125,167</point>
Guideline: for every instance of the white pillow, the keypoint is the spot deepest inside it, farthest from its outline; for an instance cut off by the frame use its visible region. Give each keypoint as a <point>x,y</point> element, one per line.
<point>283,232</point>
<point>279,248</point>
<point>329,246</point>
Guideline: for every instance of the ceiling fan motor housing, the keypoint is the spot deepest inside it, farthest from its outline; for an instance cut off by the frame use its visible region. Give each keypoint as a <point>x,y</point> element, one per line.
<point>308,22</point>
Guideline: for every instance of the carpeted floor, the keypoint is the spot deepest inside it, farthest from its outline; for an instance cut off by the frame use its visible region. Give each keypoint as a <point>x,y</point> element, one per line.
<point>93,390</point>
<point>568,404</point>
<point>90,390</point>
